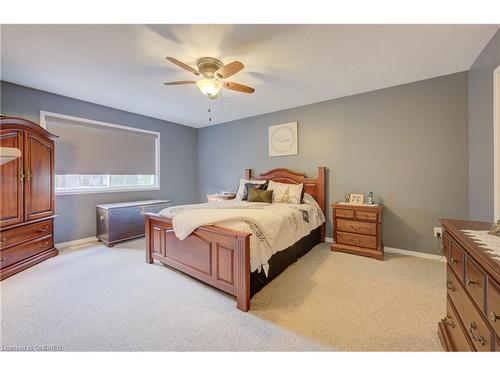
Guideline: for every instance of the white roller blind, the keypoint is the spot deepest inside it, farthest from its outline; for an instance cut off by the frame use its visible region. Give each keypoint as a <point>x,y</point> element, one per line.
<point>87,148</point>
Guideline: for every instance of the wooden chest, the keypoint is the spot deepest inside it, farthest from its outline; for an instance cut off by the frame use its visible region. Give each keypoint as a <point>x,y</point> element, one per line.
<point>472,321</point>
<point>357,229</point>
<point>118,222</point>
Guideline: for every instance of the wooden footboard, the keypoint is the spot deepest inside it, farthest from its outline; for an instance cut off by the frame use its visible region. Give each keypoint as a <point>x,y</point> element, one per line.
<point>217,256</point>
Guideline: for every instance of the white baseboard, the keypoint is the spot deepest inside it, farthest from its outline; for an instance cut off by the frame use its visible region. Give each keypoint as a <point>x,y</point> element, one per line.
<point>395,250</point>
<point>415,254</point>
<point>81,241</point>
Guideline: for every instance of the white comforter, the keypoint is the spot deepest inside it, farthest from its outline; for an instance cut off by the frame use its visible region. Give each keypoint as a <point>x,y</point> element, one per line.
<point>275,227</point>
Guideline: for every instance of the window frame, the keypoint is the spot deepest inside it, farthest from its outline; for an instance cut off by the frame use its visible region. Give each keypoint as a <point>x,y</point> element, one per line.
<point>113,189</point>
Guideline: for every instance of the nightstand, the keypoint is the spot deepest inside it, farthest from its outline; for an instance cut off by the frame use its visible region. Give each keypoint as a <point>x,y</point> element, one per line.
<point>357,229</point>
<point>220,197</point>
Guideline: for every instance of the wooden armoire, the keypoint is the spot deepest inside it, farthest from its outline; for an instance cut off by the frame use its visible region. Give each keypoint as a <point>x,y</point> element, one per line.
<point>27,205</point>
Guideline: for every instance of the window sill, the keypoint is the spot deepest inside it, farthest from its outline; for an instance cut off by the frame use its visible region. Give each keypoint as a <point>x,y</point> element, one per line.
<point>103,191</point>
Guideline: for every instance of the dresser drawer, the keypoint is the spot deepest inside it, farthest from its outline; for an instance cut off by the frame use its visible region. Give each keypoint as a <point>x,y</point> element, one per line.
<point>357,240</point>
<point>18,253</point>
<point>357,227</point>
<point>493,306</point>
<point>446,246</point>
<point>349,214</point>
<point>455,330</point>
<point>366,215</point>
<point>475,282</point>
<point>11,237</point>
<point>477,329</point>
<point>457,260</point>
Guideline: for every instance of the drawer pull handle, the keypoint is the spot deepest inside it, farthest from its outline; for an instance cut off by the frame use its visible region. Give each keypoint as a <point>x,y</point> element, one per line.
<point>45,243</point>
<point>4,239</point>
<point>469,282</point>
<point>2,260</point>
<point>494,317</point>
<point>453,260</point>
<point>448,321</point>
<point>450,286</point>
<point>43,229</point>
<point>472,328</point>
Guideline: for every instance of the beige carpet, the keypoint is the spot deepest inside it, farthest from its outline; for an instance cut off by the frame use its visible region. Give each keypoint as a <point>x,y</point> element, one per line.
<point>99,299</point>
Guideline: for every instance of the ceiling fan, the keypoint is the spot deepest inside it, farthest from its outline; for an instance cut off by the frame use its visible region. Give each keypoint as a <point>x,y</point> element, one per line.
<point>213,74</point>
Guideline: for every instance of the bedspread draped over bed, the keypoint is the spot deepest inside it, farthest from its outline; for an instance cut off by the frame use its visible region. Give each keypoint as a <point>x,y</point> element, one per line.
<point>275,226</point>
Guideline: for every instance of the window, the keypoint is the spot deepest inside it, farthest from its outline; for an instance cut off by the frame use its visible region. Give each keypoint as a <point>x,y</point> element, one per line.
<point>93,157</point>
<point>83,182</point>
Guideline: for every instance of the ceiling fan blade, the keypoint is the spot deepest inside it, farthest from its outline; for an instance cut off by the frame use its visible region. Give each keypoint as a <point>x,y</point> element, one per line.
<point>182,65</point>
<point>239,87</point>
<point>179,82</point>
<point>230,69</point>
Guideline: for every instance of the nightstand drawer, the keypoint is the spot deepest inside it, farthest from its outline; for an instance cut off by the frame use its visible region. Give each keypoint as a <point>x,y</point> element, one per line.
<point>344,213</point>
<point>357,227</point>
<point>357,240</point>
<point>366,215</point>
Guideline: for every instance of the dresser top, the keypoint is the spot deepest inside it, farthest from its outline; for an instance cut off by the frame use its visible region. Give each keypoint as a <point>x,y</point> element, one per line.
<point>108,206</point>
<point>359,207</point>
<point>482,255</point>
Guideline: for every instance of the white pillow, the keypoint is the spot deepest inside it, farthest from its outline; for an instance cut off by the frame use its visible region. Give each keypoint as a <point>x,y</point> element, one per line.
<point>241,188</point>
<point>285,193</point>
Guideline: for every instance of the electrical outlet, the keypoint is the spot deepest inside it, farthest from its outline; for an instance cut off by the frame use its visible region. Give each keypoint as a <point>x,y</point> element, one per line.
<point>438,230</point>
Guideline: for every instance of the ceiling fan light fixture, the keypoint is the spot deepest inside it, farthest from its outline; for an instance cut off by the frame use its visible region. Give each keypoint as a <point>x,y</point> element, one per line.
<point>209,87</point>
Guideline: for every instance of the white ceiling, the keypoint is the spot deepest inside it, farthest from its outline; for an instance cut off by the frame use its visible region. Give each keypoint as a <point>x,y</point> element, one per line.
<point>124,66</point>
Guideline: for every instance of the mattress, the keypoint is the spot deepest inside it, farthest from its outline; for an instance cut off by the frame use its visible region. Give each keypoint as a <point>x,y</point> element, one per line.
<point>275,227</point>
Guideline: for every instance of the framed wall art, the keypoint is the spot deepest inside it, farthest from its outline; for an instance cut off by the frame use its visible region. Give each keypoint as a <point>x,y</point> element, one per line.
<point>283,139</point>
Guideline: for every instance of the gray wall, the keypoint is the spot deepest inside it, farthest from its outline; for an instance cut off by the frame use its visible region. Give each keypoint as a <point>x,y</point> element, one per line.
<point>481,117</point>
<point>77,212</point>
<point>406,143</point>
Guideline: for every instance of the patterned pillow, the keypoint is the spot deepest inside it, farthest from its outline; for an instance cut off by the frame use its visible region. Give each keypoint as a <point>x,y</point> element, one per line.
<point>241,188</point>
<point>286,193</point>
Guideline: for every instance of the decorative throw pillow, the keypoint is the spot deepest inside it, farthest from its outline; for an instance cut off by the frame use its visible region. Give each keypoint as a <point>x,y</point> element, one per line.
<point>286,193</point>
<point>241,188</point>
<point>255,186</point>
<point>259,195</point>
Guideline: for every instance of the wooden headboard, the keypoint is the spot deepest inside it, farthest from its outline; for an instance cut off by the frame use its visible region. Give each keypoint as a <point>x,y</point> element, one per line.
<point>315,187</point>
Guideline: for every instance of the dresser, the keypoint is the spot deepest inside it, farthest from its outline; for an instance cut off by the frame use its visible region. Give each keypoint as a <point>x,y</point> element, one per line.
<point>472,321</point>
<point>27,208</point>
<point>357,229</point>
<point>117,222</point>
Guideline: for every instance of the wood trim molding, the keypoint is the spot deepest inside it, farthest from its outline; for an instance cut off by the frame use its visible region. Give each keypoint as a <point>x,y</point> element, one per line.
<point>77,242</point>
<point>15,122</point>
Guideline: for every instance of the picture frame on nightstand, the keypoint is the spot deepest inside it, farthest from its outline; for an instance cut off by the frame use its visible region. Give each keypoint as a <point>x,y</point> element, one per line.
<point>356,198</point>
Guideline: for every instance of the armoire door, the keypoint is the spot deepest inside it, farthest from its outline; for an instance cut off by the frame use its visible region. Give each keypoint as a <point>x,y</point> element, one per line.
<point>39,180</point>
<point>11,180</point>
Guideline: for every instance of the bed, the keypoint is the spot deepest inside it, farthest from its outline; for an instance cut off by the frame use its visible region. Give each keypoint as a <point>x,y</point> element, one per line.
<point>220,256</point>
